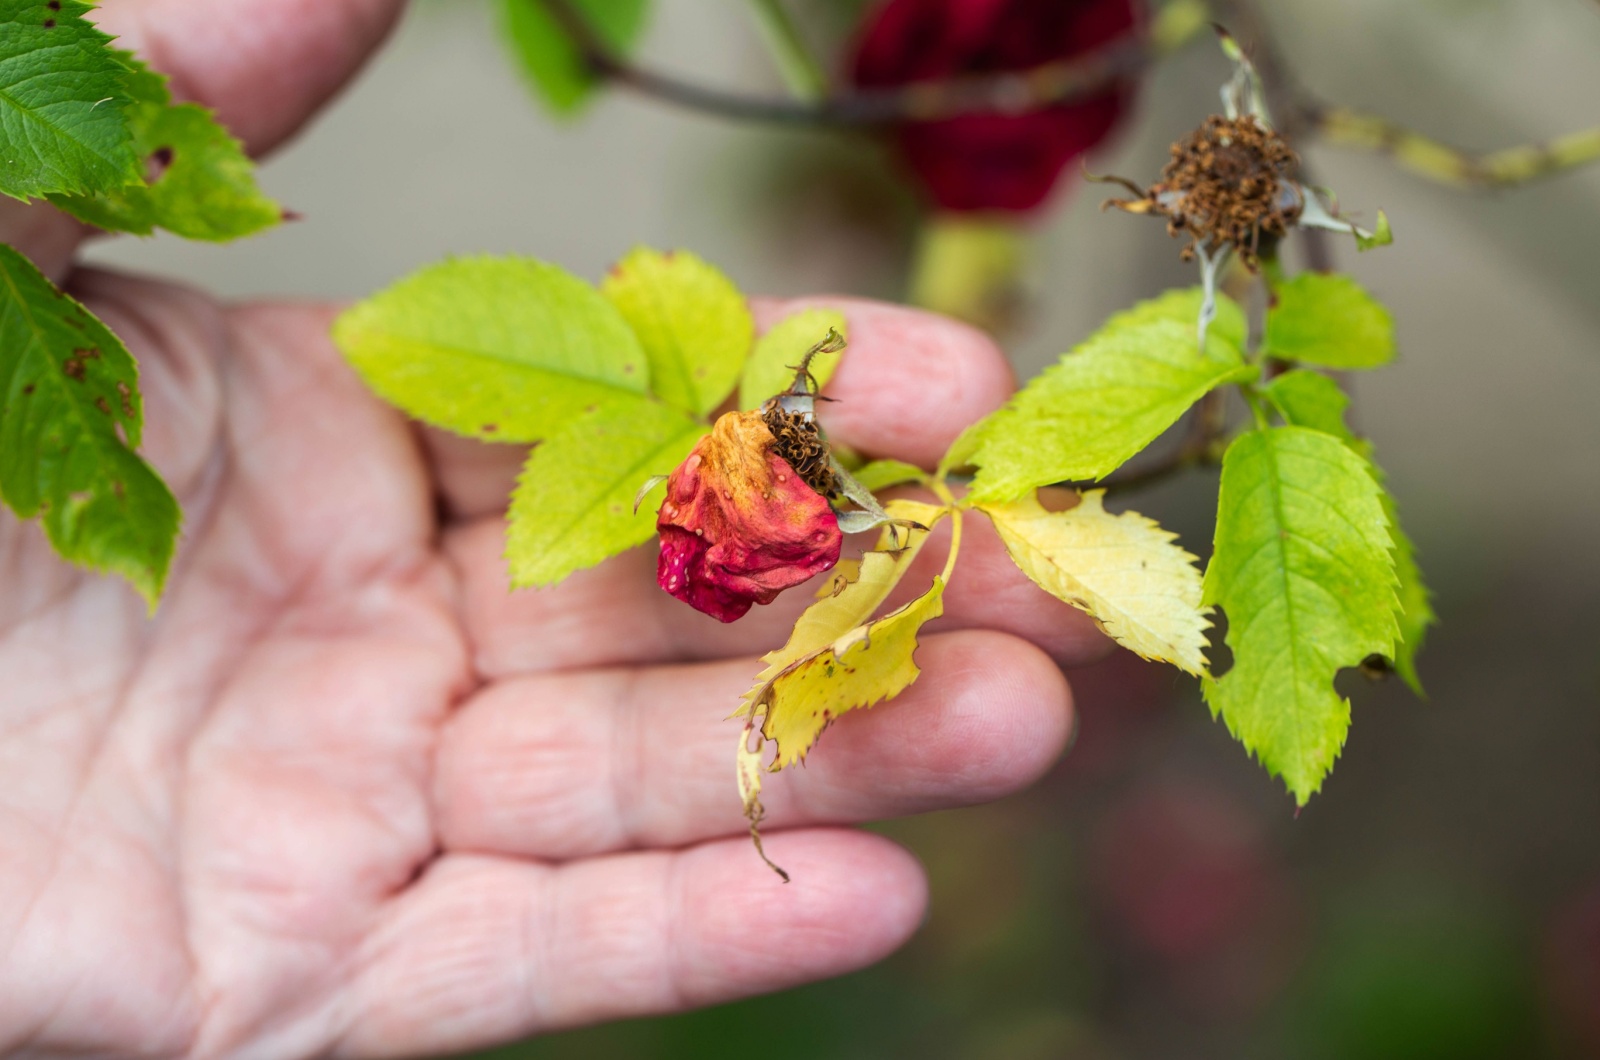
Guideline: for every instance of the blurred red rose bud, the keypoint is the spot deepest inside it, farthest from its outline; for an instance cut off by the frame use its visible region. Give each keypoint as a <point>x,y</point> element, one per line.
<point>993,161</point>
<point>739,525</point>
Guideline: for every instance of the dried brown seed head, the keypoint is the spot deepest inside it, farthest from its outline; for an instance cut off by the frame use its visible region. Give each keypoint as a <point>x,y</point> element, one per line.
<point>1229,183</point>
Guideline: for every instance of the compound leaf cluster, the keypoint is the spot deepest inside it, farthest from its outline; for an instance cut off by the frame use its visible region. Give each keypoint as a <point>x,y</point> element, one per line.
<point>615,383</point>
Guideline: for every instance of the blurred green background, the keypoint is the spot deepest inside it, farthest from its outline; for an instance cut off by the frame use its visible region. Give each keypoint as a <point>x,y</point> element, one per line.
<point>1156,896</point>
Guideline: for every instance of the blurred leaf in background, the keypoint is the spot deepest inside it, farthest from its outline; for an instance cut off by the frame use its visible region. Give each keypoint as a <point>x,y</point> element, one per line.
<point>546,55</point>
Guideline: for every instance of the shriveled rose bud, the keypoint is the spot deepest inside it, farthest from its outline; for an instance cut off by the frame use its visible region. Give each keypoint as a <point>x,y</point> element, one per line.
<point>739,525</point>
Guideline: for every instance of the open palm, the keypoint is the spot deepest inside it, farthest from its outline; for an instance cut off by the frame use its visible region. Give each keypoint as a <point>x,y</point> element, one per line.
<point>345,793</point>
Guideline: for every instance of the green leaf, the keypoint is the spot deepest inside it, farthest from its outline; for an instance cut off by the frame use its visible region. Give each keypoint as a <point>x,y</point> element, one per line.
<point>691,320</point>
<point>1304,571</point>
<point>202,184</point>
<point>881,474</point>
<point>1109,398</point>
<point>1329,320</point>
<point>504,349</point>
<point>1310,399</point>
<point>772,363</point>
<point>574,503</point>
<point>62,126</point>
<point>70,394</point>
<point>554,68</point>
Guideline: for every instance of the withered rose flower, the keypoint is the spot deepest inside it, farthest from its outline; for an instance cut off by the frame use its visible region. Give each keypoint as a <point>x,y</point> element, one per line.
<point>739,525</point>
<point>993,161</point>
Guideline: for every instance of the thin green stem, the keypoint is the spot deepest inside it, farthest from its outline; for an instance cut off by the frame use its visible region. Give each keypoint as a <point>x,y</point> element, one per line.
<point>1258,405</point>
<point>800,69</point>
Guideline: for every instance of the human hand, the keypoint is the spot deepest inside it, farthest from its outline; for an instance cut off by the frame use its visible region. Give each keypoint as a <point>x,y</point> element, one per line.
<point>347,794</point>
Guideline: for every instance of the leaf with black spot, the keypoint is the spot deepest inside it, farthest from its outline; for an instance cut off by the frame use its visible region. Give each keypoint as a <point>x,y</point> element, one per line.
<point>70,421</point>
<point>198,181</point>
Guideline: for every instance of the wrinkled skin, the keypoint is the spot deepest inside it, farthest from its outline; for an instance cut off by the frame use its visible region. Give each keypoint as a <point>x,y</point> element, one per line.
<point>979,162</point>
<point>347,795</point>
<point>738,526</point>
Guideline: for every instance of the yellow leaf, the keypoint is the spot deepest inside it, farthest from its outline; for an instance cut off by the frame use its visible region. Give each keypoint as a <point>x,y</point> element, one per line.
<point>853,592</point>
<point>1124,570</point>
<point>869,663</point>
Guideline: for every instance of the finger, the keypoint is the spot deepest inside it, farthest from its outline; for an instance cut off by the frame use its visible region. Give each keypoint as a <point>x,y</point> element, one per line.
<point>572,765</point>
<point>910,382</point>
<point>265,66</point>
<point>616,615</point>
<point>484,950</point>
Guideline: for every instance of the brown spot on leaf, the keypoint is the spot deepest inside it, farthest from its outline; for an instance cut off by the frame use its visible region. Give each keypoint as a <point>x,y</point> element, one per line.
<point>27,390</point>
<point>127,398</point>
<point>89,353</point>
<point>489,428</point>
<point>54,5</point>
<point>49,23</point>
<point>73,367</point>
<point>102,404</point>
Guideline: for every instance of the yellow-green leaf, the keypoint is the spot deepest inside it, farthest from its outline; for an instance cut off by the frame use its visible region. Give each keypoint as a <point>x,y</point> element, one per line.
<point>854,591</point>
<point>778,352</point>
<point>504,349</point>
<point>871,663</point>
<point>1124,570</point>
<point>1304,572</point>
<point>1109,398</point>
<point>691,320</point>
<point>1309,399</point>
<point>881,474</point>
<point>574,502</point>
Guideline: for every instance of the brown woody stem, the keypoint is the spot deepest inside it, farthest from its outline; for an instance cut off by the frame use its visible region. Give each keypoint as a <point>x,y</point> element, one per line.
<point>1086,75</point>
<point>1016,92</point>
